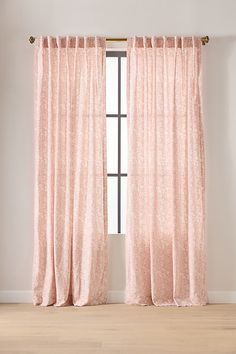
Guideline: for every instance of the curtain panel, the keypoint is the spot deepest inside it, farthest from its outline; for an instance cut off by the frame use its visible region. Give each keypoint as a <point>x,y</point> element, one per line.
<point>165,242</point>
<point>70,251</point>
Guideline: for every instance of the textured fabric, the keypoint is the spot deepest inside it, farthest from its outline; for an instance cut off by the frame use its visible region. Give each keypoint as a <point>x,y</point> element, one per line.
<point>165,217</point>
<point>70,258</point>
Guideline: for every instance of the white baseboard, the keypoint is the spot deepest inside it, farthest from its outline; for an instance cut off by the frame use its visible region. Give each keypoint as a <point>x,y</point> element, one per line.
<point>114,296</point>
<point>222,297</point>
<point>16,296</point>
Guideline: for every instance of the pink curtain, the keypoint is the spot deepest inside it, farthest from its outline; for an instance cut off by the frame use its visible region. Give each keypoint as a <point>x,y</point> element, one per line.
<point>165,229</point>
<point>70,258</point>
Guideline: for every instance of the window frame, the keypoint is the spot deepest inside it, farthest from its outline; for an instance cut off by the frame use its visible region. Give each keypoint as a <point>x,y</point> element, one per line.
<point>119,116</point>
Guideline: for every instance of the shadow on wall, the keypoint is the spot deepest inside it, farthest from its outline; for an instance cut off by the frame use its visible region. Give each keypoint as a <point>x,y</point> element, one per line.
<point>219,102</point>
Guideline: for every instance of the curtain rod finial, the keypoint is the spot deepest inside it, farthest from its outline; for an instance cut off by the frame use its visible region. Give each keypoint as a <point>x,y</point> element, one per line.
<point>31,39</point>
<point>205,40</point>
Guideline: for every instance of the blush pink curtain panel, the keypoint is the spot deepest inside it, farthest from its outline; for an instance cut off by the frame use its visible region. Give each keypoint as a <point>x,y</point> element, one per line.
<point>70,258</point>
<point>165,229</point>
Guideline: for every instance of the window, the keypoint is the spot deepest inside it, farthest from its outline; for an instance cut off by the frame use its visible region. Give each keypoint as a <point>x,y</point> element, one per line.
<point>116,116</point>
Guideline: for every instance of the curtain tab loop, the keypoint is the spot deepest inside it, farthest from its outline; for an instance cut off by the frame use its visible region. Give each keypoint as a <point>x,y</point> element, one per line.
<point>144,42</point>
<point>193,44</point>
<point>176,42</point>
<point>41,42</point>
<point>164,42</point>
<point>58,42</point>
<point>151,40</point>
<point>67,42</point>
<point>49,41</point>
<point>76,42</point>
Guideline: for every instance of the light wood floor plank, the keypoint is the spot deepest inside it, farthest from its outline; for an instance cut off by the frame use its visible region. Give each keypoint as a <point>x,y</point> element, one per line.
<point>117,329</point>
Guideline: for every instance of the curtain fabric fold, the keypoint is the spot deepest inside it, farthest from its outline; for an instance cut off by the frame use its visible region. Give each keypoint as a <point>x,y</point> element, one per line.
<point>165,242</point>
<point>70,255</point>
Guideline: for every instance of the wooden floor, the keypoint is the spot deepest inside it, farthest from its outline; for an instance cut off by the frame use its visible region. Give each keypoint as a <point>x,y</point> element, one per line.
<point>117,329</point>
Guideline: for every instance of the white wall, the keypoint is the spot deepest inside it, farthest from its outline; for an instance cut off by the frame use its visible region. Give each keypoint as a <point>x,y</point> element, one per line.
<point>21,18</point>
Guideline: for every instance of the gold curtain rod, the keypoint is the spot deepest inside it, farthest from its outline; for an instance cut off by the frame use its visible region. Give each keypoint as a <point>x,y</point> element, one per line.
<point>204,40</point>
